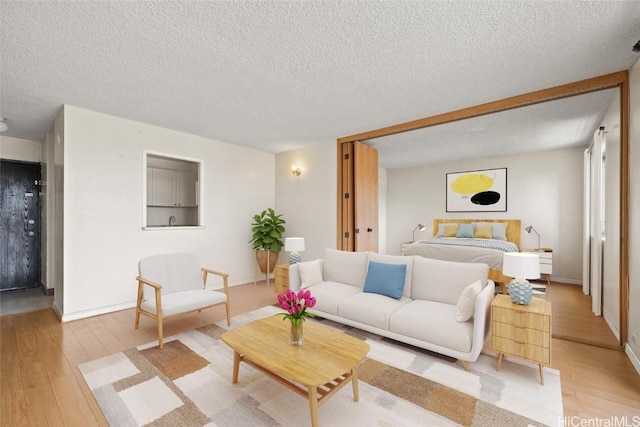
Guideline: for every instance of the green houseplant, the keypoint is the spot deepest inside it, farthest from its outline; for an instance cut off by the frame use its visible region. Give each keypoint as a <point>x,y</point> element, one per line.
<point>267,229</point>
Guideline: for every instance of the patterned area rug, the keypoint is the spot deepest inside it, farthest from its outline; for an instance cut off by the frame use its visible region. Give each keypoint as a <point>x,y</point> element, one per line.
<point>188,383</point>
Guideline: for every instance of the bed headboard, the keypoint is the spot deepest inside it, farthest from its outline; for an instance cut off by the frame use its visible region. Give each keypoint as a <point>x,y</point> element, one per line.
<point>512,232</point>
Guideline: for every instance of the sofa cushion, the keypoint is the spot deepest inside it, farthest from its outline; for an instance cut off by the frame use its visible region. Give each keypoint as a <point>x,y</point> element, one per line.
<point>329,294</point>
<point>434,323</point>
<point>371,309</point>
<point>397,259</point>
<point>443,281</point>
<point>466,305</point>
<point>345,267</point>
<point>310,273</point>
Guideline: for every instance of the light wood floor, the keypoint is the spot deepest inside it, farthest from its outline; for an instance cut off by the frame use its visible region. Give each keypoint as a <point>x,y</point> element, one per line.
<point>40,383</point>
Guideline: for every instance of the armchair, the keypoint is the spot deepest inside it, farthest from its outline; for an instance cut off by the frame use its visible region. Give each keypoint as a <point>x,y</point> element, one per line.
<point>173,284</point>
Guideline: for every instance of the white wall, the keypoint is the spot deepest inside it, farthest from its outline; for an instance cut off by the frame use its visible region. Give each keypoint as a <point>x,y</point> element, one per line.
<point>19,149</point>
<point>544,189</point>
<point>633,346</point>
<point>308,202</point>
<point>103,213</point>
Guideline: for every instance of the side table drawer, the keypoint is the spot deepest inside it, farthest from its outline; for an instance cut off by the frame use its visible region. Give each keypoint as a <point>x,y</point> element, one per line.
<point>521,349</point>
<point>521,334</point>
<point>281,278</point>
<point>522,318</point>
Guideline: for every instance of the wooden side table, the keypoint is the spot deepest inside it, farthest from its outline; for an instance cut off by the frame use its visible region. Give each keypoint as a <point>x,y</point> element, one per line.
<point>282,278</point>
<point>521,330</point>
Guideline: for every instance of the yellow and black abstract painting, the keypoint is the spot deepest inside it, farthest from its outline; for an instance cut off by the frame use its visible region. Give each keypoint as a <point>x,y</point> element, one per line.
<point>477,191</point>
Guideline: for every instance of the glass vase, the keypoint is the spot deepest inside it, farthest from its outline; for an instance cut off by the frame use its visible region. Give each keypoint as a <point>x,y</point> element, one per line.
<point>295,333</point>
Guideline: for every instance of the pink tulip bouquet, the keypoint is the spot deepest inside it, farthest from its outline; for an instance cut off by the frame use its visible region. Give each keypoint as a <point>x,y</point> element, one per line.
<point>296,305</point>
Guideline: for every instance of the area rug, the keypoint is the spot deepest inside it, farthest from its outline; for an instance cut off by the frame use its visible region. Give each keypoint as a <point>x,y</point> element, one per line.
<point>188,383</point>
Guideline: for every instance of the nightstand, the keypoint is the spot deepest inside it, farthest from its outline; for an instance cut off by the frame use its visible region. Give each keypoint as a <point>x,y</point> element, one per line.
<point>523,331</point>
<point>403,247</point>
<point>546,262</point>
<point>282,278</point>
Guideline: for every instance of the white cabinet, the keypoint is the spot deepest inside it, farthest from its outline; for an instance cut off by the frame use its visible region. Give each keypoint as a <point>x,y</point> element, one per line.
<point>546,261</point>
<point>187,189</point>
<point>171,188</point>
<point>403,247</point>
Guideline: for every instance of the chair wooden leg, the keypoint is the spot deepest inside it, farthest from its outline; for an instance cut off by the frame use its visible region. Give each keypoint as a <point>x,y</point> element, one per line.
<point>160,343</point>
<point>228,313</point>
<point>467,365</point>
<point>137,317</point>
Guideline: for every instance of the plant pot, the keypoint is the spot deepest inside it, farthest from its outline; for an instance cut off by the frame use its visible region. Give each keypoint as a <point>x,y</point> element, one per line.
<point>261,257</point>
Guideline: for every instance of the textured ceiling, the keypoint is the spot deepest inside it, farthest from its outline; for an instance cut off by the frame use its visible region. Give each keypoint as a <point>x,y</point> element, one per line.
<point>280,75</point>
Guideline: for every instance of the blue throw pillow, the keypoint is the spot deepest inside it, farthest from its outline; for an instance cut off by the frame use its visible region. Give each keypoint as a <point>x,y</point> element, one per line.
<point>466,230</point>
<point>385,279</point>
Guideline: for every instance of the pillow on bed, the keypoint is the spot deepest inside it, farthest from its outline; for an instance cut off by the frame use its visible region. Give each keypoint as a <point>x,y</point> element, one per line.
<point>466,230</point>
<point>447,230</point>
<point>483,232</point>
<point>466,305</point>
<point>498,229</point>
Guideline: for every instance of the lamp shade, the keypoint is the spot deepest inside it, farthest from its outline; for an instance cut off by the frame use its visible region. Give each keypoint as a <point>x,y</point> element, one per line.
<point>521,265</point>
<point>294,244</point>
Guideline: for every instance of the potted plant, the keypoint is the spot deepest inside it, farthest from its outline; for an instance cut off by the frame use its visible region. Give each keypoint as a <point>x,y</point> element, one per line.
<point>267,229</point>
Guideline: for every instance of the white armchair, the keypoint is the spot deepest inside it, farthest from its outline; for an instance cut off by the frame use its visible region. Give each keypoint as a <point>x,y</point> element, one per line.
<point>174,284</point>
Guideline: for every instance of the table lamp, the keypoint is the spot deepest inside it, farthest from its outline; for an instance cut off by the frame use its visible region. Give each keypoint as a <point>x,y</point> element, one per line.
<point>529,229</point>
<point>521,266</point>
<point>294,245</point>
<point>419,227</point>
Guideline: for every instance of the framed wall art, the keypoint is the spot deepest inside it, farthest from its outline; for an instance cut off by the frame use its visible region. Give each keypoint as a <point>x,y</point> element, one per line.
<point>477,191</point>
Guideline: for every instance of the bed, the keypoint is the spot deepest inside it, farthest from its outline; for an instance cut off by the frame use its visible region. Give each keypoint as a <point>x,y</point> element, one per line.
<point>489,251</point>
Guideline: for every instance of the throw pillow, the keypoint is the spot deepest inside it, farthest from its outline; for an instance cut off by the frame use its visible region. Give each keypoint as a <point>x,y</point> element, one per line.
<point>385,279</point>
<point>498,229</point>
<point>483,232</point>
<point>447,230</point>
<point>466,305</point>
<point>466,230</point>
<point>310,273</point>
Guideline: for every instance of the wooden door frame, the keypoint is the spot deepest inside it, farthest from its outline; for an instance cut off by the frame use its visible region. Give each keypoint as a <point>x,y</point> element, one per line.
<point>618,79</point>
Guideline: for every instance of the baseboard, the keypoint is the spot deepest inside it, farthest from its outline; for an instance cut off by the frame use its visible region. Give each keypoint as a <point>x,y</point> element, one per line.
<point>568,281</point>
<point>67,317</point>
<point>47,291</point>
<point>57,310</point>
<point>635,360</point>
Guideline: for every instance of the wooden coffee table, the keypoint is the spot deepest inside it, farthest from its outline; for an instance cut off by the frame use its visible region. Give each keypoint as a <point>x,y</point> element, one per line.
<point>326,362</point>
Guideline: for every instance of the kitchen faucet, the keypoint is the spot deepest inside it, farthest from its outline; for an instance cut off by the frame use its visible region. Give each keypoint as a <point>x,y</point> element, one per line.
<point>172,220</point>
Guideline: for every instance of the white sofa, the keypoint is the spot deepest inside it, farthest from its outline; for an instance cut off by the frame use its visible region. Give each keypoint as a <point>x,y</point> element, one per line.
<point>430,312</point>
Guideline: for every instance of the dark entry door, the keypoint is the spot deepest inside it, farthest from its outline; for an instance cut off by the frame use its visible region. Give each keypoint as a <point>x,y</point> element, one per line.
<point>19,225</point>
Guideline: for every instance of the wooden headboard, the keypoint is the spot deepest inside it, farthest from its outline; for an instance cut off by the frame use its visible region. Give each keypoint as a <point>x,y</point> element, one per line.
<point>512,233</point>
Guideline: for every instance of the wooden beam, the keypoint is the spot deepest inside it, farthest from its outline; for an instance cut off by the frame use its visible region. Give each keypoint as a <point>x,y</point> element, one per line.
<point>558,92</point>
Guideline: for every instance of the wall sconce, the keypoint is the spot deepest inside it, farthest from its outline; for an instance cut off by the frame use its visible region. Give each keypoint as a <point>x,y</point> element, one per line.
<point>295,170</point>
<point>529,229</point>
<point>419,227</point>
